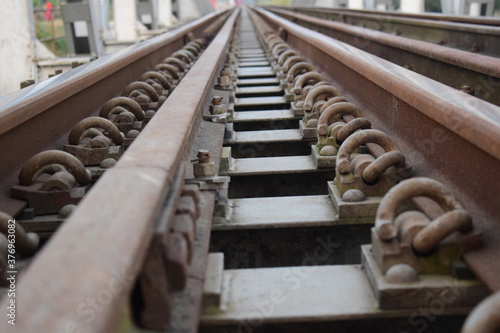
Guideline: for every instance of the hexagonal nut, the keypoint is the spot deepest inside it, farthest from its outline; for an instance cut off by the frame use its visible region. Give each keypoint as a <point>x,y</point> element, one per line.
<point>216,109</point>
<point>204,169</point>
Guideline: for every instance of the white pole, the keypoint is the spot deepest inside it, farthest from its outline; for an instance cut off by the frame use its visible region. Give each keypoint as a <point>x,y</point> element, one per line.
<point>412,6</point>
<point>125,20</point>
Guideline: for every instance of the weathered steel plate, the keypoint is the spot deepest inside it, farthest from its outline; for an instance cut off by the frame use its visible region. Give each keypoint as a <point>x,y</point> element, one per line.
<point>279,212</point>
<point>258,90</point>
<point>295,294</point>
<point>256,72</point>
<point>266,115</point>
<point>257,82</point>
<point>274,101</point>
<point>286,135</point>
<point>273,165</point>
<point>254,63</point>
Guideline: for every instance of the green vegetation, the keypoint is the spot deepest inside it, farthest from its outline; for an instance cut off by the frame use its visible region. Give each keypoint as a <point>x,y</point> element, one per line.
<point>433,6</point>
<point>46,31</point>
<point>273,2</point>
<point>41,3</point>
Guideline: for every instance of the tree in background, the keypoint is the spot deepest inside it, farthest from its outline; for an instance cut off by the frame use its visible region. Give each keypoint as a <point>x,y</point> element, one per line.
<point>433,6</point>
<point>41,3</point>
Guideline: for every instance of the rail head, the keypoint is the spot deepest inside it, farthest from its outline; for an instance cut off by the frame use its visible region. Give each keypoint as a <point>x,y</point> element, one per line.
<point>24,104</point>
<point>484,64</point>
<point>93,260</point>
<point>447,22</point>
<point>478,20</point>
<point>445,105</point>
<point>413,109</point>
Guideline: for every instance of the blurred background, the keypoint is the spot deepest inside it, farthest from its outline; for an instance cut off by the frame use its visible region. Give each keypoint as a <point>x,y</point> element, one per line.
<point>40,38</point>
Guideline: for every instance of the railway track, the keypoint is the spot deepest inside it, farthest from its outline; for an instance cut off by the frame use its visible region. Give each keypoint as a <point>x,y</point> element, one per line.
<point>285,154</point>
<point>458,54</point>
<point>474,34</point>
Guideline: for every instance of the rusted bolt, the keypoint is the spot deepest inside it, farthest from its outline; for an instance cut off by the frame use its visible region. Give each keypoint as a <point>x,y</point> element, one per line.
<point>217,100</point>
<point>468,90</point>
<point>175,62</point>
<point>331,101</point>
<point>204,168</point>
<point>60,181</point>
<point>334,112</point>
<point>203,156</point>
<point>291,61</point>
<point>66,211</point>
<point>298,68</point>
<point>401,273</point>
<point>108,163</point>
<point>430,236</point>
<point>133,134</point>
<point>285,55</point>
<point>156,77</point>
<point>355,140</point>
<point>351,127</point>
<point>168,69</point>
<point>406,190</point>
<point>392,158</point>
<point>27,83</point>
<point>409,224</point>
<point>353,195</point>
<point>327,90</point>
<point>123,102</point>
<point>33,167</point>
<point>143,88</point>
<point>79,129</point>
<point>306,78</point>
<point>328,151</point>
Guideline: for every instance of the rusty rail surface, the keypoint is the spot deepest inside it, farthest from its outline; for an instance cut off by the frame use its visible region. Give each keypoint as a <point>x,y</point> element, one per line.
<point>474,35</point>
<point>427,120</point>
<point>110,233</point>
<point>41,116</point>
<point>475,73</point>
<point>114,246</point>
<point>477,20</point>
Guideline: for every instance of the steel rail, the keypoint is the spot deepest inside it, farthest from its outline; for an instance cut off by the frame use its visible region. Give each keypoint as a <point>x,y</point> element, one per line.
<point>461,35</point>
<point>41,116</point>
<point>445,134</point>
<point>479,20</point>
<point>455,68</point>
<point>104,242</point>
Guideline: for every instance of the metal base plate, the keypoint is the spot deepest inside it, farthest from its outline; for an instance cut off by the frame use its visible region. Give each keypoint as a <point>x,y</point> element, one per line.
<point>430,291</point>
<point>367,207</point>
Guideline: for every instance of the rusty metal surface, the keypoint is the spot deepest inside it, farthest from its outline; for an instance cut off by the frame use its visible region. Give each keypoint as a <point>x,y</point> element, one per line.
<point>85,275</point>
<point>482,36</point>
<point>440,130</point>
<point>452,67</point>
<point>479,20</point>
<point>118,238</point>
<point>41,116</point>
